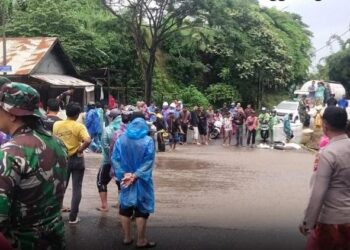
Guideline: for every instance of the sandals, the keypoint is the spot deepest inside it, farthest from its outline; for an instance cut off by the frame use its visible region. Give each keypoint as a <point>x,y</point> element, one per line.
<point>65,210</point>
<point>128,243</point>
<point>102,209</point>
<point>149,244</point>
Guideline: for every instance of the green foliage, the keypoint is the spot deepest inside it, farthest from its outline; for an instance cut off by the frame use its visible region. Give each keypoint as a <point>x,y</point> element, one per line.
<point>252,50</point>
<point>220,93</point>
<point>191,96</point>
<point>339,67</point>
<point>90,34</point>
<point>336,67</point>
<point>271,99</point>
<point>164,90</point>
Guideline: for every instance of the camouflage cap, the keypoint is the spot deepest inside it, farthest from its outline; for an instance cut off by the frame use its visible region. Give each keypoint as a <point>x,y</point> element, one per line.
<point>4,80</point>
<point>20,99</point>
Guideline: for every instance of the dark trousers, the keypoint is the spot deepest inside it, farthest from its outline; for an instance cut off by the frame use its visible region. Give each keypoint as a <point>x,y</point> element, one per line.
<point>184,128</point>
<point>252,135</point>
<point>103,177</point>
<point>76,169</point>
<point>239,135</point>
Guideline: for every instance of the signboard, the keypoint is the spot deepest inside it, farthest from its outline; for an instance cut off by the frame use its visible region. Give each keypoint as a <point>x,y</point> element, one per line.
<point>6,68</point>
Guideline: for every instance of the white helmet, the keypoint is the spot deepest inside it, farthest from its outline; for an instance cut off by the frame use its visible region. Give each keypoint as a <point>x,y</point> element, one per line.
<point>165,104</point>
<point>173,105</point>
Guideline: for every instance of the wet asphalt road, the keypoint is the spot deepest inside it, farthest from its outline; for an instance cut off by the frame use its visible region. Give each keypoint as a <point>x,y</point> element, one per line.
<point>207,197</point>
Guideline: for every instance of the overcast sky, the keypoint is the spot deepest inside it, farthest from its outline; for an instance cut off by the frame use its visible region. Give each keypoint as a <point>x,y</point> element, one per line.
<point>325,18</point>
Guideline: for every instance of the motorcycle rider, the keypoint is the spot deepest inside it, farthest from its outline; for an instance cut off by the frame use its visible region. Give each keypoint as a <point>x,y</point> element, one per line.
<point>264,119</point>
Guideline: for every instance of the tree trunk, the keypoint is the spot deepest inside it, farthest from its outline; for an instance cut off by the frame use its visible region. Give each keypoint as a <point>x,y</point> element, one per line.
<point>149,75</point>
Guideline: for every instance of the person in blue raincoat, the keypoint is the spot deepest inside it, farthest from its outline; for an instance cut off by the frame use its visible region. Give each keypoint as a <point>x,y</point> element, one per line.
<point>287,127</point>
<point>92,123</point>
<point>133,161</point>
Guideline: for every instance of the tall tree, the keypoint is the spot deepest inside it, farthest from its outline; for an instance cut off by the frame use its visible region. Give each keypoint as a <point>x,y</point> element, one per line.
<point>150,23</point>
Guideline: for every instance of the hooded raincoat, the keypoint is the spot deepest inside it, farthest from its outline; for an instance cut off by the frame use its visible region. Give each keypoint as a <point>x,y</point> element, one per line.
<point>134,152</point>
<point>107,137</point>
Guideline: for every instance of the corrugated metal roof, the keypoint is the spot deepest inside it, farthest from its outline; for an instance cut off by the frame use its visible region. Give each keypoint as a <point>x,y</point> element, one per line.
<point>24,53</point>
<point>63,81</point>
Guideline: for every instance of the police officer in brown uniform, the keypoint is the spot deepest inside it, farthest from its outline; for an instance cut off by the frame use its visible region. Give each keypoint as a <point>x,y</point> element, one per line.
<point>327,216</point>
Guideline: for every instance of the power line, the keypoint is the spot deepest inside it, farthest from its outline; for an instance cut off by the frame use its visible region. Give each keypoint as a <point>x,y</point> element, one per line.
<point>332,40</point>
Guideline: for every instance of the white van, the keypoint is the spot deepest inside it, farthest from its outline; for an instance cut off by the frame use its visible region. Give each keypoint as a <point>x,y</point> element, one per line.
<point>336,88</point>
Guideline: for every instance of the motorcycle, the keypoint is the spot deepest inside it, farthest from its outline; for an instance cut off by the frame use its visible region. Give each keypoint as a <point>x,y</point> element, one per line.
<point>215,129</point>
<point>264,131</point>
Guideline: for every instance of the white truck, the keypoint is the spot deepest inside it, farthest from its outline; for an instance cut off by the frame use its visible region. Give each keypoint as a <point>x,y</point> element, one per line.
<point>336,88</point>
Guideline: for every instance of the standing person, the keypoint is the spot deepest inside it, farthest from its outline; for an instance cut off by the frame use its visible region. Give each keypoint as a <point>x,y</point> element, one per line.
<point>173,129</point>
<point>227,126</point>
<point>287,129</point>
<point>273,122</point>
<point>165,112</point>
<point>203,125</point>
<point>152,107</point>
<point>239,118</point>
<point>33,177</point>
<point>65,97</point>
<point>133,161</point>
<point>327,93</point>
<point>76,138</point>
<point>252,124</point>
<point>319,95</point>
<point>185,119</point>
<point>326,220</point>
<point>343,103</point>
<point>51,116</point>
<point>210,113</point>
<point>233,109</point>
<point>332,101</point>
<point>159,123</point>
<point>312,91</point>
<point>318,116</point>
<point>247,112</point>
<point>103,175</point>
<point>101,116</point>
<point>93,125</point>
<point>302,110</point>
<point>194,124</point>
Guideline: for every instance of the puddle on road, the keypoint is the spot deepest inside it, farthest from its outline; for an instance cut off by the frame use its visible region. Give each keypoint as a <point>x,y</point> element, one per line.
<point>194,177</point>
<point>181,164</point>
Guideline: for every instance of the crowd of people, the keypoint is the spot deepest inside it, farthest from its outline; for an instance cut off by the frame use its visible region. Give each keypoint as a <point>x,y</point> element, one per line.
<point>40,153</point>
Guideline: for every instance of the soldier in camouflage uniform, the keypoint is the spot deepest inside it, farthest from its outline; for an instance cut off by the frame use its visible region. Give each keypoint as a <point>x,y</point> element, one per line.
<point>33,177</point>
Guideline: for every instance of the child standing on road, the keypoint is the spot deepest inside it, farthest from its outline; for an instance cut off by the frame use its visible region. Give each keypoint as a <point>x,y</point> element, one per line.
<point>252,123</point>
<point>227,129</point>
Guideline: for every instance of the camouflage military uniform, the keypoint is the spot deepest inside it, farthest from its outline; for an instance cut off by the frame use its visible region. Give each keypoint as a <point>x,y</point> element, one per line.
<point>32,178</point>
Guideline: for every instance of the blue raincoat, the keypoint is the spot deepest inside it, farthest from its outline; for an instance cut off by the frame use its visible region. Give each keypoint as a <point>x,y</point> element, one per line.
<point>286,126</point>
<point>93,126</point>
<point>107,135</point>
<point>92,122</point>
<point>134,153</point>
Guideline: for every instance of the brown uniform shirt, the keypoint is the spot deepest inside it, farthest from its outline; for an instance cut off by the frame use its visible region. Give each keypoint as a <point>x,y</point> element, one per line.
<point>329,201</point>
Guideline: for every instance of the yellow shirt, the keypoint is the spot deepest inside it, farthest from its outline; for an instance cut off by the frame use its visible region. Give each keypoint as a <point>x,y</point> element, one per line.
<point>72,133</point>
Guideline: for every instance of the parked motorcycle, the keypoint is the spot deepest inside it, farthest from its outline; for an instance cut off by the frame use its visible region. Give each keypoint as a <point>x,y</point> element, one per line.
<point>215,129</point>
<point>264,131</point>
